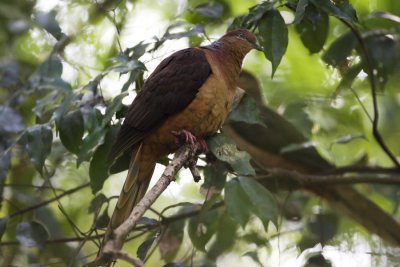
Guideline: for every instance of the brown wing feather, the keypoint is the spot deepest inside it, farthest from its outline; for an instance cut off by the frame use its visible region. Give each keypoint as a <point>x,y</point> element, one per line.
<point>169,89</point>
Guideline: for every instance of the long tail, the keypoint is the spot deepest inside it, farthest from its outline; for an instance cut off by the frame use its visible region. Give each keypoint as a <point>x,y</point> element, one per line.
<point>141,169</point>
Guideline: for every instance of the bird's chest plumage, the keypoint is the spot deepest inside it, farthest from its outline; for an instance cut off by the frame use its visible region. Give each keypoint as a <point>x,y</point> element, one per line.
<point>202,117</point>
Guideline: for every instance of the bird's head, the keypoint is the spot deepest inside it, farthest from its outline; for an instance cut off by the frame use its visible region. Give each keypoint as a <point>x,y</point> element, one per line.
<point>241,40</point>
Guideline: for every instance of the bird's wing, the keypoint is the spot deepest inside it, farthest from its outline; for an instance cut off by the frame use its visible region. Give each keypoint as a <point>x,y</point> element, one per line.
<point>168,90</point>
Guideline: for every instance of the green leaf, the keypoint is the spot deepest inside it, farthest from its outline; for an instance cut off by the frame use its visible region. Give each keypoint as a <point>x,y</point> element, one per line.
<point>115,105</point>
<point>340,49</point>
<point>3,226</point>
<point>174,264</point>
<point>96,203</point>
<point>88,144</point>
<point>263,203</point>
<point>254,256</point>
<point>211,10</point>
<point>37,141</point>
<point>247,111</point>
<point>147,221</point>
<point>381,19</point>
<point>31,234</point>
<point>329,7</point>
<point>215,176</point>
<point>237,202</point>
<point>51,67</point>
<point>384,54</point>
<point>225,238</point>
<point>144,248</point>
<point>349,77</point>
<point>225,150</point>
<point>201,228</point>
<point>98,169</point>
<point>103,220</point>
<point>348,9</point>
<point>273,37</point>
<point>300,10</point>
<point>10,120</point>
<point>71,128</point>
<point>313,29</point>
<point>48,21</point>
<point>171,240</point>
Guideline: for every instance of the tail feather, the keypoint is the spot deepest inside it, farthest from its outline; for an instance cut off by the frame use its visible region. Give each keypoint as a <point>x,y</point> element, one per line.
<point>137,181</point>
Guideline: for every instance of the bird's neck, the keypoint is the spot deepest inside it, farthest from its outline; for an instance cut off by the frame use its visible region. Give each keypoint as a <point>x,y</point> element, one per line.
<point>229,56</point>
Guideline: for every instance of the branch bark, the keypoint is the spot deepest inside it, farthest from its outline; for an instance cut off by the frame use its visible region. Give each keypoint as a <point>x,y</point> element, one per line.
<point>112,246</point>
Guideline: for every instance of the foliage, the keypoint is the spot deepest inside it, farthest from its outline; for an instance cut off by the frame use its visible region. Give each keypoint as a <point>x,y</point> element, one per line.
<point>66,71</point>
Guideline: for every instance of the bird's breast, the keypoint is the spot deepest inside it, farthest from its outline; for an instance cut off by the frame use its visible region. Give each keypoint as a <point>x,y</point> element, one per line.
<point>202,117</point>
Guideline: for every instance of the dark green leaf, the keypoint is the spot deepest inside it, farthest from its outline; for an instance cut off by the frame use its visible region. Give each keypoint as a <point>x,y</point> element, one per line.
<point>323,226</point>
<point>225,238</point>
<point>64,107</point>
<point>71,128</point>
<point>10,120</point>
<point>51,67</point>
<point>225,150</point>
<point>349,77</point>
<point>128,65</point>
<point>215,176</point>
<point>88,143</point>
<point>98,169</point>
<point>144,248</point>
<point>263,203</point>
<point>115,105</point>
<point>313,29</point>
<point>300,10</point>
<point>147,221</point>
<point>382,19</point>
<point>202,228</point>
<point>171,240</point>
<point>103,220</point>
<point>38,140</point>
<point>329,7</point>
<point>96,203</point>
<point>340,49</point>
<point>210,10</point>
<point>3,225</point>
<point>48,21</point>
<point>385,54</point>
<point>255,15</point>
<point>247,111</point>
<point>273,37</point>
<point>348,9</point>
<point>237,202</point>
<point>31,234</point>
<point>254,256</point>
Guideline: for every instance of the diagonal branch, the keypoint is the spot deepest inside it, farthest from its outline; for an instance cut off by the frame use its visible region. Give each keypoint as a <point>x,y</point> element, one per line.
<point>112,246</point>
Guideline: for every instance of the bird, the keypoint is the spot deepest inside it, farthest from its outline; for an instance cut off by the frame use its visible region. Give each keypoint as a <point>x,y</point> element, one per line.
<point>190,92</point>
<point>280,133</point>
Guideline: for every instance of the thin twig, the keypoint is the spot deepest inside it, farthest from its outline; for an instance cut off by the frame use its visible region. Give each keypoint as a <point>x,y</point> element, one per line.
<point>373,82</point>
<point>128,258</point>
<point>44,203</point>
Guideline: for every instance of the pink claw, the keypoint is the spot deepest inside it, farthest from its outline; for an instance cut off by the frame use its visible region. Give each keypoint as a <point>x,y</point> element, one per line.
<point>189,137</point>
<point>203,145</point>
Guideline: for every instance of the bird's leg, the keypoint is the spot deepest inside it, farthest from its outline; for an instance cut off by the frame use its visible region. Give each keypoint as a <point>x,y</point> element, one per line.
<point>188,137</point>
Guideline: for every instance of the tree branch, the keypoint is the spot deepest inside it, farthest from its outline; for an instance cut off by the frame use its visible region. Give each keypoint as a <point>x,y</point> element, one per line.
<point>113,245</point>
<point>295,180</point>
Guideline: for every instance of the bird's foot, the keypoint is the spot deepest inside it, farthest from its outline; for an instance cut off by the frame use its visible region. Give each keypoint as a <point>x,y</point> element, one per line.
<point>187,137</point>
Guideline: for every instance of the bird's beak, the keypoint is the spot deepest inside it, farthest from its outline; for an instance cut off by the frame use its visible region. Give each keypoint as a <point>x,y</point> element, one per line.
<point>258,47</point>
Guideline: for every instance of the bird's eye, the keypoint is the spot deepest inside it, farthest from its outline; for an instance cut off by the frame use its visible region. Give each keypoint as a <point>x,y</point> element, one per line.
<point>241,36</point>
